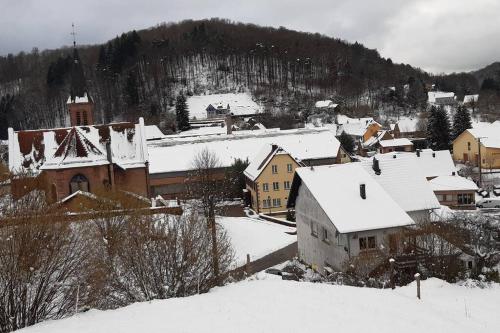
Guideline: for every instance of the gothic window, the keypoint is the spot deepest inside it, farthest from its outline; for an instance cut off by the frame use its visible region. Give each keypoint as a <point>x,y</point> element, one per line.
<point>79,183</point>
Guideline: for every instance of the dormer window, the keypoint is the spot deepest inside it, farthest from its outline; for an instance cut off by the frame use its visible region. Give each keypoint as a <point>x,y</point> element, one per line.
<point>79,183</point>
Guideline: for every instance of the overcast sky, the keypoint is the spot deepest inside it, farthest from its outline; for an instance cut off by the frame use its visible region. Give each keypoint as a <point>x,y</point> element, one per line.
<point>436,35</point>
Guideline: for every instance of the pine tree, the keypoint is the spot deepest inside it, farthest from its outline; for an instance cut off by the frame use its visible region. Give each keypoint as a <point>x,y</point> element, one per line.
<point>461,122</point>
<point>182,113</point>
<point>131,90</point>
<point>347,142</point>
<point>438,129</point>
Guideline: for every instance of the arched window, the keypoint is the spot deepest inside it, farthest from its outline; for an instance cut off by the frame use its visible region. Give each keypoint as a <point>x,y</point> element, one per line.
<point>79,183</point>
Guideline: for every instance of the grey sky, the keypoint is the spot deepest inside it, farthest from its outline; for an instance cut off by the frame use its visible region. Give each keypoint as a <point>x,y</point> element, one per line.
<point>436,35</point>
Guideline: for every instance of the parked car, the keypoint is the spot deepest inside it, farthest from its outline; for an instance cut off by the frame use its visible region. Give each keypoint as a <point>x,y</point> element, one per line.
<point>488,203</point>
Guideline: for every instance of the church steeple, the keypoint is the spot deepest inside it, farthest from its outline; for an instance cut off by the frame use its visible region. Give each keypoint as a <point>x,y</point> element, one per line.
<point>80,105</point>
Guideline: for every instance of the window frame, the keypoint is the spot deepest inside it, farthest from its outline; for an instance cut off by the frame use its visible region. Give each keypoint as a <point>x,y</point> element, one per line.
<point>274,168</point>
<point>276,186</point>
<point>265,187</point>
<point>289,167</point>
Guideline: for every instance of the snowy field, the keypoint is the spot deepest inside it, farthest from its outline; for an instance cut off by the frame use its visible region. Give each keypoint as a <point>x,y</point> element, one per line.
<point>255,237</point>
<point>240,103</point>
<point>267,304</point>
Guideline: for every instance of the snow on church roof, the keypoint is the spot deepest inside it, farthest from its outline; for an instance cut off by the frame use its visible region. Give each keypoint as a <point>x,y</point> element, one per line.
<point>336,188</point>
<point>30,150</point>
<point>302,144</point>
<point>401,177</point>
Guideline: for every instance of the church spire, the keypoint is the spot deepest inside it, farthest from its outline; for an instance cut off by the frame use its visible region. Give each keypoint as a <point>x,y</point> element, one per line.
<point>78,86</point>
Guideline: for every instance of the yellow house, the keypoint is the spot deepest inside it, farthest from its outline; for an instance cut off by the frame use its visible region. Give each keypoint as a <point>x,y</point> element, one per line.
<point>486,140</point>
<point>269,176</point>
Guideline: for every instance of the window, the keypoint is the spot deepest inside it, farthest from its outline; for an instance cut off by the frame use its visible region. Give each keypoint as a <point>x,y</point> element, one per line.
<point>289,168</point>
<point>464,199</point>
<point>266,203</point>
<point>468,145</point>
<point>85,118</point>
<point>79,183</point>
<point>277,202</point>
<point>324,235</point>
<point>274,168</point>
<point>314,229</point>
<point>367,243</point>
<point>286,185</point>
<point>276,186</point>
<point>265,187</point>
<point>78,118</point>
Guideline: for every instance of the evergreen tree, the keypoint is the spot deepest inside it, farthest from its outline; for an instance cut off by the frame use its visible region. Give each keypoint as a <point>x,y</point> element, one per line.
<point>131,90</point>
<point>438,129</point>
<point>347,142</point>
<point>417,97</point>
<point>182,113</point>
<point>461,122</point>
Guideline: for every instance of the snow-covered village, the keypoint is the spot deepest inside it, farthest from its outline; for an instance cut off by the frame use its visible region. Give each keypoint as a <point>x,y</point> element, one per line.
<point>215,176</point>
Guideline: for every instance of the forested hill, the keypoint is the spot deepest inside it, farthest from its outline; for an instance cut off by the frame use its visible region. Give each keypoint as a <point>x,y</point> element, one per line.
<point>140,73</point>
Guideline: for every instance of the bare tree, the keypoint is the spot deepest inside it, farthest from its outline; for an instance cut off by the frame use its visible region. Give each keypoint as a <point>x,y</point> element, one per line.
<point>41,262</point>
<point>208,185</point>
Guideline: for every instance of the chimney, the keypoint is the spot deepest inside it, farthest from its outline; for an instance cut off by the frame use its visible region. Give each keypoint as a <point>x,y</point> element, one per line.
<point>418,152</point>
<point>433,154</point>
<point>453,173</point>
<point>376,166</point>
<point>394,156</point>
<point>362,190</point>
<point>229,124</point>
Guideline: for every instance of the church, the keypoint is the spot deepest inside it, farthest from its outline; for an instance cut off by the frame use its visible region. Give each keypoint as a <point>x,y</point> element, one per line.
<point>84,157</point>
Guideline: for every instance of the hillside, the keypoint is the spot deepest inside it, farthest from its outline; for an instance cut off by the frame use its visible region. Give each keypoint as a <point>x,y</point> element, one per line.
<point>140,73</point>
<point>490,71</point>
<point>270,305</point>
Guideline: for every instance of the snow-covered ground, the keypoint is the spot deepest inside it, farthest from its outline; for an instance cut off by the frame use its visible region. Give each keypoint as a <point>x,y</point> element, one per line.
<point>267,304</point>
<point>240,104</point>
<point>255,237</point>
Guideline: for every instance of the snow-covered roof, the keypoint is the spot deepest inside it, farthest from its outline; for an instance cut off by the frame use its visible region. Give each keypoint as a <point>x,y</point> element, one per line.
<point>153,132</point>
<point>470,98</point>
<point>489,134</point>
<point>303,144</point>
<point>407,125</point>
<point>452,183</point>
<point>356,127</point>
<point>403,180</point>
<point>375,139</point>
<point>240,104</point>
<point>79,99</point>
<point>336,188</point>
<point>396,142</point>
<point>259,163</point>
<point>434,95</point>
<point>325,104</point>
<point>77,146</point>
<point>435,163</point>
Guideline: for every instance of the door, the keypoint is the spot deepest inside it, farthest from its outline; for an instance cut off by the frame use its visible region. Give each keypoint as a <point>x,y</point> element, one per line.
<point>466,157</point>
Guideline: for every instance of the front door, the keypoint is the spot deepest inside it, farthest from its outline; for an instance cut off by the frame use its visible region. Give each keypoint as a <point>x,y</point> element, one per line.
<point>466,157</point>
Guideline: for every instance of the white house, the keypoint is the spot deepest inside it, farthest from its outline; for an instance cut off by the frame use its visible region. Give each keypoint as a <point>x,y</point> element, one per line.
<point>400,176</point>
<point>342,213</point>
<point>441,98</point>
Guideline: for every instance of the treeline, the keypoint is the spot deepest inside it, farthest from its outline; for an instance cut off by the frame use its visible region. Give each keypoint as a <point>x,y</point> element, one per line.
<point>141,73</point>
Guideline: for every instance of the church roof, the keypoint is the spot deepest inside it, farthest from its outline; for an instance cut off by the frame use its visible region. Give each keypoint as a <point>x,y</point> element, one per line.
<point>35,150</point>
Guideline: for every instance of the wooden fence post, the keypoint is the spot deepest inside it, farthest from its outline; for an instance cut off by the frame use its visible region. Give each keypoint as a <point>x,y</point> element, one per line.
<point>393,283</point>
<point>417,278</point>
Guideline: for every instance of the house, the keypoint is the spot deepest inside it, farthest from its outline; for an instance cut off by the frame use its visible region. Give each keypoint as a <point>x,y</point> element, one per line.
<point>407,128</point>
<point>168,175</point>
<point>454,191</point>
<point>470,100</point>
<point>343,213</point>
<point>217,111</point>
<point>402,144</point>
<point>268,179</point>
<point>483,140</point>
<point>441,98</point>
<point>400,176</point>
<point>361,130</point>
<point>153,132</point>
<point>326,105</point>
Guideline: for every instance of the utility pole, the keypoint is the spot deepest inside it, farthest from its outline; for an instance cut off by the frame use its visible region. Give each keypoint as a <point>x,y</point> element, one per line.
<point>479,160</point>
